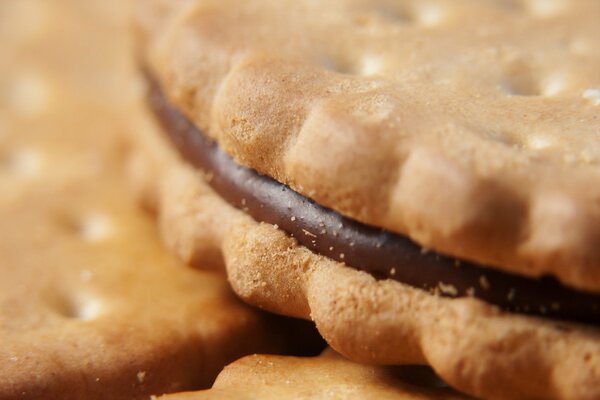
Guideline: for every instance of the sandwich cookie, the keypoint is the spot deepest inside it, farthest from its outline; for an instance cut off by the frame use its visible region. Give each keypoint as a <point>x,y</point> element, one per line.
<point>400,173</point>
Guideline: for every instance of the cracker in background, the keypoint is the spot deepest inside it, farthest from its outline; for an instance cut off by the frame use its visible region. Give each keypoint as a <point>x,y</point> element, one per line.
<point>91,305</point>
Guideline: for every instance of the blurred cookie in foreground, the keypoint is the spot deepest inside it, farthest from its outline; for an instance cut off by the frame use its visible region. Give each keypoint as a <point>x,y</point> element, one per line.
<point>421,179</point>
<point>91,304</point>
<point>328,376</point>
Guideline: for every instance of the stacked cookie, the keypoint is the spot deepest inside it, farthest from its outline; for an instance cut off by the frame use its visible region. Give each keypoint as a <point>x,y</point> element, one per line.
<point>420,179</point>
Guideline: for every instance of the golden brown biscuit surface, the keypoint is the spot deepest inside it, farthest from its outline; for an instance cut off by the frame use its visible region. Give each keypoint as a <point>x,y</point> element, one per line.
<point>328,376</point>
<point>471,126</point>
<point>91,304</point>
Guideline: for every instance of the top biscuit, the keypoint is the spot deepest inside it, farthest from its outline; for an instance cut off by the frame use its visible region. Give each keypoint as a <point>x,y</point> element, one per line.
<point>470,126</point>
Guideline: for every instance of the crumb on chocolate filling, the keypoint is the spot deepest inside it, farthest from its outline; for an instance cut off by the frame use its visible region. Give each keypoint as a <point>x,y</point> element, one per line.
<point>381,253</point>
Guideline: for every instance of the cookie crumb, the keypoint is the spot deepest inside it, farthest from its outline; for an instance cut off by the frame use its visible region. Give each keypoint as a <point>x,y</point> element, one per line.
<point>141,376</point>
<point>342,255</point>
<point>293,219</point>
<point>448,289</point>
<point>393,271</point>
<point>483,282</point>
<point>308,233</point>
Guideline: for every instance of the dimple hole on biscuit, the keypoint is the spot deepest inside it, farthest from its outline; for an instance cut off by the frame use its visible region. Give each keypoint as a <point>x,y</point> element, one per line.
<point>402,14</point>
<point>396,12</point>
<point>92,226</point>
<point>20,163</point>
<point>76,307</point>
<point>520,80</point>
<point>535,8</point>
<point>29,94</point>
<point>593,95</point>
<point>545,8</point>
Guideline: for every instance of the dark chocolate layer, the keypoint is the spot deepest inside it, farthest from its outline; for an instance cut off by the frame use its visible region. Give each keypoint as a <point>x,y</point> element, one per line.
<point>383,254</point>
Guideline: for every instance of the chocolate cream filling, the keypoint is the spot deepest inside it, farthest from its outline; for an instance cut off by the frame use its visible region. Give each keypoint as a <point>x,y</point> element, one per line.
<point>383,254</point>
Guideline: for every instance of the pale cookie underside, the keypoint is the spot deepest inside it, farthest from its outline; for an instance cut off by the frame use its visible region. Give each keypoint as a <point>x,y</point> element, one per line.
<point>471,126</point>
<point>328,376</point>
<point>471,345</point>
<point>92,306</point>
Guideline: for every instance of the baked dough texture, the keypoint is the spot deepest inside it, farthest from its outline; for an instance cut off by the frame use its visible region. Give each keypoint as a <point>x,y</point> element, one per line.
<point>327,377</point>
<point>470,126</point>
